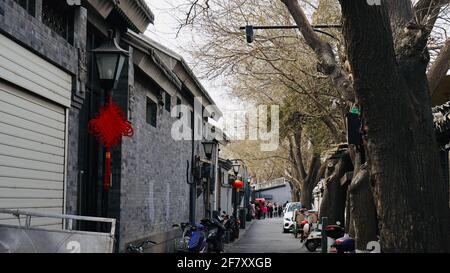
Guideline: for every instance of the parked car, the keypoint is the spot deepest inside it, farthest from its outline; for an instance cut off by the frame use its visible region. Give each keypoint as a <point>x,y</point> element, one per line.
<point>288,215</point>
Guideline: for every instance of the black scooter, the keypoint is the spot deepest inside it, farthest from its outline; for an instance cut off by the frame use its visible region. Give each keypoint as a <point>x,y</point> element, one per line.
<point>232,226</point>
<point>216,234</point>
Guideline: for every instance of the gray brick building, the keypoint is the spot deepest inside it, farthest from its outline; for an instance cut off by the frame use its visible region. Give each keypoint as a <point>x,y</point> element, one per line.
<point>150,171</point>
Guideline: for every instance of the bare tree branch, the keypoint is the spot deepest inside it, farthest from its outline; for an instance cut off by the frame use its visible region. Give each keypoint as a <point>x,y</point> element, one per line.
<point>439,68</point>
<point>327,63</point>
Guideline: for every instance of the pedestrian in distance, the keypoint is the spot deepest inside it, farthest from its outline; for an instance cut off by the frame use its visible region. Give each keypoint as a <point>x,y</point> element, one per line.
<point>275,210</point>
<point>280,210</point>
<point>270,210</point>
<point>253,210</point>
<point>264,211</point>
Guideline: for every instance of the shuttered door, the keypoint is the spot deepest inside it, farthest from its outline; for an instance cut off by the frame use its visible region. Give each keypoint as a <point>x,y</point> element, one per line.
<point>32,151</point>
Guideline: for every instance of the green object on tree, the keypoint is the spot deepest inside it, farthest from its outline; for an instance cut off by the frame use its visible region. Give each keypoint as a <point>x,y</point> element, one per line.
<point>354,110</point>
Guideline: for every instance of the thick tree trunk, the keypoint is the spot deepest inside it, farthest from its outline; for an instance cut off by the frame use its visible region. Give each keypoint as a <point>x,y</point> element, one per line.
<point>362,209</point>
<point>349,218</point>
<point>304,181</point>
<point>294,191</point>
<point>393,94</point>
<point>310,182</point>
<point>333,202</point>
<point>306,197</point>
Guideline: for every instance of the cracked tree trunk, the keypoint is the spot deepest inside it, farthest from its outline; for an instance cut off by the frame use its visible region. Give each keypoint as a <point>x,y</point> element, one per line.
<point>362,207</point>
<point>392,89</point>
<point>334,197</point>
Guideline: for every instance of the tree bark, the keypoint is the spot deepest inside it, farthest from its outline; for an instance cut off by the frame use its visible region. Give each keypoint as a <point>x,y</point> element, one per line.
<point>310,182</point>
<point>304,181</point>
<point>333,202</point>
<point>362,207</point>
<point>401,145</point>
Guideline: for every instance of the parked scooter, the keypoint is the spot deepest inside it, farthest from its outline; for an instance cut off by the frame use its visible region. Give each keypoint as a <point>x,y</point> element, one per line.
<point>216,234</point>
<point>232,226</point>
<point>193,238</point>
<point>314,239</point>
<point>299,230</point>
<point>345,244</point>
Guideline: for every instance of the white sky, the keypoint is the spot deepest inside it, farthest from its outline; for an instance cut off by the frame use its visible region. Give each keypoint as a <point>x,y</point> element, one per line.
<point>164,31</point>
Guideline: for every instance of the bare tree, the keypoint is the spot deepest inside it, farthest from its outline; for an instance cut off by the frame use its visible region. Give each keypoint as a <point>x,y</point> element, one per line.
<point>386,47</point>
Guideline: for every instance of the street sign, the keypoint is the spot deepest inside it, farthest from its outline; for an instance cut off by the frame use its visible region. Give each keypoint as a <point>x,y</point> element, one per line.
<point>353,129</point>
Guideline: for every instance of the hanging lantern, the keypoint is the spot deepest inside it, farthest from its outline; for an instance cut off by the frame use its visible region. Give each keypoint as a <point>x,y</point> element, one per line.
<point>238,184</point>
<point>110,124</point>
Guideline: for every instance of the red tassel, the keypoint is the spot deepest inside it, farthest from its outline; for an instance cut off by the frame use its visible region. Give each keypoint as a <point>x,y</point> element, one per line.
<point>107,175</point>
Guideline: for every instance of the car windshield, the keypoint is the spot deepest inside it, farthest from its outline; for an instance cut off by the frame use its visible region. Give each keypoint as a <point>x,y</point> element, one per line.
<point>294,206</point>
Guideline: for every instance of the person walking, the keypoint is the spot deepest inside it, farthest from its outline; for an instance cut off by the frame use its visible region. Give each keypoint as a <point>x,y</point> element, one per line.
<point>253,210</point>
<point>280,210</point>
<point>275,210</point>
<point>270,210</point>
<point>264,211</point>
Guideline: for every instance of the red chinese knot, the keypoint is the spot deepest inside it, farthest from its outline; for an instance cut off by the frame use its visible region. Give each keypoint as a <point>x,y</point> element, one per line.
<point>110,124</point>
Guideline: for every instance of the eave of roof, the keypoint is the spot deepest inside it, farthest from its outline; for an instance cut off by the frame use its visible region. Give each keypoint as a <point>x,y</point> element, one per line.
<point>146,10</point>
<point>180,59</point>
<point>135,13</point>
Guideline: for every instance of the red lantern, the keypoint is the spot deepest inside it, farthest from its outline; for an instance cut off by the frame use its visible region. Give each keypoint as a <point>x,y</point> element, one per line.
<point>238,184</point>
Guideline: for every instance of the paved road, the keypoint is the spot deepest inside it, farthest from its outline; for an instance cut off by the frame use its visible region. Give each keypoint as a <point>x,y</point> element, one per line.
<point>266,236</point>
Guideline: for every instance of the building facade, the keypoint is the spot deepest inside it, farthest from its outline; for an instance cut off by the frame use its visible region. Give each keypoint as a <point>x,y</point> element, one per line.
<point>49,90</point>
<point>276,190</point>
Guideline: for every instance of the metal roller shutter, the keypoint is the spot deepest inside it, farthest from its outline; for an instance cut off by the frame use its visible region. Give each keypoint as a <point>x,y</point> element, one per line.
<point>32,151</point>
<point>34,97</point>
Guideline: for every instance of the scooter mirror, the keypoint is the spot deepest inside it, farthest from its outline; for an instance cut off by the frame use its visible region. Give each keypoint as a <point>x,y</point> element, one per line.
<point>338,223</point>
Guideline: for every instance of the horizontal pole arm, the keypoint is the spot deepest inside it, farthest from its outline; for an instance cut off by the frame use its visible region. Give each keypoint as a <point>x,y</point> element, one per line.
<point>293,27</point>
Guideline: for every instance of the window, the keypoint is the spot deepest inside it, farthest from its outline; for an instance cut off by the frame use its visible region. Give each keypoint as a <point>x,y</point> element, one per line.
<point>59,16</point>
<point>294,206</point>
<point>28,5</point>
<point>168,102</point>
<point>152,111</point>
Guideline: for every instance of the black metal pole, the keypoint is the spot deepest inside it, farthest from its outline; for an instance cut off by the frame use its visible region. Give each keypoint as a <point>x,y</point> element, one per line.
<point>192,203</point>
<point>236,196</point>
<point>324,235</point>
<point>293,27</point>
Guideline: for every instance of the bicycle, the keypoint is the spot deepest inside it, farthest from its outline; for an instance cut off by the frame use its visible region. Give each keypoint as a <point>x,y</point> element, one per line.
<point>139,248</point>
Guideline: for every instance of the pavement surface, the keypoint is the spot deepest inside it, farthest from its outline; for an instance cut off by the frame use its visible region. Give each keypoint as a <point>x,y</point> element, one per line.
<point>266,236</point>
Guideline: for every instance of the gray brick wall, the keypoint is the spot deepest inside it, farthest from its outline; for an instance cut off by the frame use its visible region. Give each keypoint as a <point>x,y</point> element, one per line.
<point>154,192</point>
<point>30,31</point>
<point>153,189</point>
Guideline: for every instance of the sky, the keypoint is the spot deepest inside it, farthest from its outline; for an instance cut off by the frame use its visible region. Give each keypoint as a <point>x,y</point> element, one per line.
<point>164,30</point>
